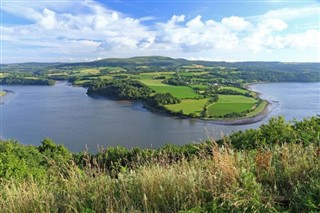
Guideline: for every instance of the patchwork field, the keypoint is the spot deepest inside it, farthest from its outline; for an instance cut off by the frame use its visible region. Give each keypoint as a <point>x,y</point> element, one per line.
<point>181,92</point>
<point>191,96</point>
<point>231,103</point>
<point>188,106</point>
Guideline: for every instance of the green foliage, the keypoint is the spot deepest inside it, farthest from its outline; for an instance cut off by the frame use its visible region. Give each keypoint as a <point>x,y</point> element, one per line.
<point>26,81</point>
<point>53,152</point>
<point>120,89</point>
<point>278,131</point>
<point>20,162</point>
<point>306,195</point>
<point>162,99</point>
<point>261,175</point>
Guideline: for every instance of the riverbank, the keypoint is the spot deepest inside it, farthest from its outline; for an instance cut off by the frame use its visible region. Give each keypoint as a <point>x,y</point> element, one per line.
<point>233,121</point>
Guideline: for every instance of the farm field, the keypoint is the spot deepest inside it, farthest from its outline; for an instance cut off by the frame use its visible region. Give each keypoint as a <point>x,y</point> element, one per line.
<point>188,106</point>
<point>234,89</point>
<point>258,109</point>
<point>229,104</point>
<point>180,92</point>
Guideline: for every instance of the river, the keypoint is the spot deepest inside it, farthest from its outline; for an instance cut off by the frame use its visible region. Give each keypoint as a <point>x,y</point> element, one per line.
<point>70,117</point>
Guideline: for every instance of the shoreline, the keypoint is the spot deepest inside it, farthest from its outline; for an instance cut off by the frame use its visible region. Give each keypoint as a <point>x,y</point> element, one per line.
<point>226,122</point>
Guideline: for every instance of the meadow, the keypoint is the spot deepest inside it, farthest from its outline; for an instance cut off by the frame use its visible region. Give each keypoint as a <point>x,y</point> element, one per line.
<point>181,92</point>
<point>188,106</point>
<point>230,103</point>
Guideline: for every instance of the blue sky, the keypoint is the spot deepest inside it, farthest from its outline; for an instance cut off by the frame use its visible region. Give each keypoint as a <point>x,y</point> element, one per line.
<point>72,30</point>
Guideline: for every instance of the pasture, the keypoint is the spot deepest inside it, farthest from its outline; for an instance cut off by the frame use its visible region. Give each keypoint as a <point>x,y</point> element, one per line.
<point>230,103</point>
<point>188,106</point>
<point>181,92</point>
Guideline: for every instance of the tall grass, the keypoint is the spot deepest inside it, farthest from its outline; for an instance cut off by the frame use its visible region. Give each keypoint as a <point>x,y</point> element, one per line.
<point>285,177</point>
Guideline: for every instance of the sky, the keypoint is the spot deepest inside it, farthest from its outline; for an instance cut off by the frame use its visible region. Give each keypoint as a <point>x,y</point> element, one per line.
<point>215,30</point>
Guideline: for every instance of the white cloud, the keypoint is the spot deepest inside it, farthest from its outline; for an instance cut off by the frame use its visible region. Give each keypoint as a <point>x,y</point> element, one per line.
<point>48,21</point>
<point>292,13</point>
<point>235,23</point>
<point>75,30</point>
<point>309,39</point>
<point>263,36</point>
<point>176,19</point>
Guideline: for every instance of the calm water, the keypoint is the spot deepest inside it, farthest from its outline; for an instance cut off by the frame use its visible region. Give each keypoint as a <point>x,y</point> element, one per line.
<point>68,116</point>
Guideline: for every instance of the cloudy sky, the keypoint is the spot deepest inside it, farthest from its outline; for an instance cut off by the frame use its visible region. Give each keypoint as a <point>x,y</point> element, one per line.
<point>230,30</point>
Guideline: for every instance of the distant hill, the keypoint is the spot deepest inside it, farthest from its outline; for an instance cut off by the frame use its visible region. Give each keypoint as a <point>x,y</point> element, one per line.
<point>168,62</point>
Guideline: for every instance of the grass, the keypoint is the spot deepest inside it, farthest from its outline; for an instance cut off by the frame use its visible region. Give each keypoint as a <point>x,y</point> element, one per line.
<point>2,75</point>
<point>258,109</point>
<point>188,106</point>
<point>193,73</point>
<point>243,91</point>
<point>181,92</point>
<point>31,78</point>
<point>151,74</point>
<point>230,103</point>
<point>91,71</point>
<point>278,179</point>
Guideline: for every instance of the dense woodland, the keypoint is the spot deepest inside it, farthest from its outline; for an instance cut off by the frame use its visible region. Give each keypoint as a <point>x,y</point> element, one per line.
<point>26,81</point>
<point>275,168</point>
<point>128,90</point>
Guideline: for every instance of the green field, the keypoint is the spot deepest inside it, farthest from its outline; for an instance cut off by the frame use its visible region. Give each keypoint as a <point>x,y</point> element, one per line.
<point>258,109</point>
<point>187,94</point>
<point>188,106</point>
<point>234,89</point>
<point>230,103</point>
<point>91,71</point>
<point>181,92</point>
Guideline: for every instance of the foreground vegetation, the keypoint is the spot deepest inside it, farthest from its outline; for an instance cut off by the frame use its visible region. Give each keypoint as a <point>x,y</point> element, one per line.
<point>275,168</point>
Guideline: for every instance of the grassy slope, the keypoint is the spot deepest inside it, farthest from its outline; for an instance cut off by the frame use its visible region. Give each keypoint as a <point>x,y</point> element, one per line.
<point>230,181</point>
<point>230,103</point>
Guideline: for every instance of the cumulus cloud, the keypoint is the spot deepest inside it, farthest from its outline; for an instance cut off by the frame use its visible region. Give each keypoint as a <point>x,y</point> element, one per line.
<point>235,23</point>
<point>78,29</point>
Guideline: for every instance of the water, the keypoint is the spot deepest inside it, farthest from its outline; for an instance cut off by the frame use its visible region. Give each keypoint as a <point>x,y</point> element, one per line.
<point>70,117</point>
